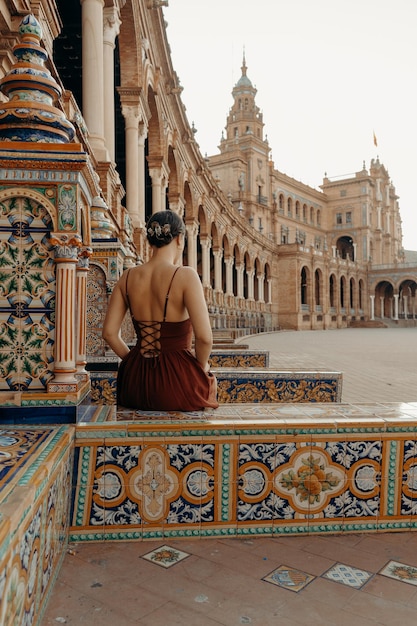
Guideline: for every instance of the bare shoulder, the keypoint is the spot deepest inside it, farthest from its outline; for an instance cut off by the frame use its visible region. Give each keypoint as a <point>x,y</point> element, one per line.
<point>187,274</point>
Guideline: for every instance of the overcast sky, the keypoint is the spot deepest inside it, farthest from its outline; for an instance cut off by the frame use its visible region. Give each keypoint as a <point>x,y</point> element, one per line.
<point>329,73</point>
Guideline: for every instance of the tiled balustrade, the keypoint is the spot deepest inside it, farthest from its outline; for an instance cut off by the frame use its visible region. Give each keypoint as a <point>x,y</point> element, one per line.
<point>246,470</point>
<point>35,495</point>
<point>237,385</point>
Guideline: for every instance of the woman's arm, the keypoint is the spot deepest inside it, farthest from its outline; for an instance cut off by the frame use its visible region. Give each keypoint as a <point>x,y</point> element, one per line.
<point>196,306</point>
<point>113,321</point>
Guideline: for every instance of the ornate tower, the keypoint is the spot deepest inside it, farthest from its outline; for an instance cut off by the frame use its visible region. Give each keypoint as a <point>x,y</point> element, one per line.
<point>46,191</point>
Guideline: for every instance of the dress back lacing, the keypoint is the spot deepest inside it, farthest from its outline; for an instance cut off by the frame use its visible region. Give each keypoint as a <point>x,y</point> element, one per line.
<point>150,332</point>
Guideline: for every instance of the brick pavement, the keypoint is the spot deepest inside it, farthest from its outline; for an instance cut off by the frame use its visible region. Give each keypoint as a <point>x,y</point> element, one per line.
<point>378,364</point>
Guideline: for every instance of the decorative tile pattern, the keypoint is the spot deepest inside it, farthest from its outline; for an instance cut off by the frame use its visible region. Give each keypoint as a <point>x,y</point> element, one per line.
<point>248,386</point>
<point>97,301</point>
<point>400,571</point>
<point>165,556</point>
<point>27,298</point>
<point>289,578</point>
<point>239,359</point>
<point>347,575</point>
<point>18,448</point>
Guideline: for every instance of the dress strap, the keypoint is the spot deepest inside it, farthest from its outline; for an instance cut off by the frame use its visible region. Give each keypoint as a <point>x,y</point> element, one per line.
<point>126,291</point>
<point>169,289</point>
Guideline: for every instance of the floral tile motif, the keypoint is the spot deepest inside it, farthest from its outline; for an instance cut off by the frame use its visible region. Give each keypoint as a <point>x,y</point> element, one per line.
<point>347,575</point>
<point>289,578</point>
<point>165,556</point>
<point>234,358</point>
<point>17,448</point>
<point>409,478</point>
<point>28,297</point>
<point>271,386</point>
<point>400,571</point>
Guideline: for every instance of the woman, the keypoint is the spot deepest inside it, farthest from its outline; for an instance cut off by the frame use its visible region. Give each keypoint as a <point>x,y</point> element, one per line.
<point>167,305</point>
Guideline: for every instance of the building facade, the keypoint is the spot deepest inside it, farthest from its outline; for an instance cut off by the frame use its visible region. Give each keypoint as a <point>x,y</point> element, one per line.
<point>271,252</point>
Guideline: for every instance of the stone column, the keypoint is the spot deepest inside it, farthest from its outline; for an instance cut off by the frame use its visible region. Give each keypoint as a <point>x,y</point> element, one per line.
<point>66,252</point>
<point>156,175</point>
<point>372,307</point>
<point>251,275</point>
<point>93,74</point>
<point>405,304</point>
<point>81,322</point>
<point>229,276</point>
<point>111,30</point>
<point>143,132</point>
<point>382,301</point>
<point>239,270</point>
<point>218,256</point>
<point>260,278</point>
<point>205,261</point>
<point>269,283</point>
<point>131,114</point>
<point>192,232</point>
<point>395,306</point>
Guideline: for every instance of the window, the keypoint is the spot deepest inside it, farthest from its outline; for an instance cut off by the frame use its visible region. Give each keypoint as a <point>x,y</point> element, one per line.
<point>338,218</point>
<point>348,217</point>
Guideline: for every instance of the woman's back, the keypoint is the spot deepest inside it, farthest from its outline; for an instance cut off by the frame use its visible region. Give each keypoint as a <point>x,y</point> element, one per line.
<point>155,292</point>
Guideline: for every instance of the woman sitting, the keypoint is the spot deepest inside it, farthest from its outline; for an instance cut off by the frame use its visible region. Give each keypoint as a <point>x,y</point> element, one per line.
<point>167,305</point>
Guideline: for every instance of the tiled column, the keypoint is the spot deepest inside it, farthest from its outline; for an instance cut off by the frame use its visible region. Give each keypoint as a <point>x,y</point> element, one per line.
<point>66,257</point>
<point>81,326</point>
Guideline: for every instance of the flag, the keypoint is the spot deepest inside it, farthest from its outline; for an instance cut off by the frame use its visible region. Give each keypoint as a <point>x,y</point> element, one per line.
<point>375,140</point>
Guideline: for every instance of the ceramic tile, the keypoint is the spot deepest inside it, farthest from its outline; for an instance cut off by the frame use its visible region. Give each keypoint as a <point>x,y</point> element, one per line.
<point>289,578</point>
<point>348,575</point>
<point>400,571</point>
<point>165,556</point>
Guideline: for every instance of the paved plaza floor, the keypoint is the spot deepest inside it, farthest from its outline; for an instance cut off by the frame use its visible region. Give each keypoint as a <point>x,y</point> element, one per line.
<point>334,580</point>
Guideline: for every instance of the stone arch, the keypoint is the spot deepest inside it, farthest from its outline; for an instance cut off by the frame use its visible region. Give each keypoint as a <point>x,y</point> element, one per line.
<point>332,291</point>
<point>384,293</point>
<point>345,248</point>
<point>304,285</point>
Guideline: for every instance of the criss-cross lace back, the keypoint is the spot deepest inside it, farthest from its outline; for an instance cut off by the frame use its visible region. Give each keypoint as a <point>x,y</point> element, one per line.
<point>150,334</point>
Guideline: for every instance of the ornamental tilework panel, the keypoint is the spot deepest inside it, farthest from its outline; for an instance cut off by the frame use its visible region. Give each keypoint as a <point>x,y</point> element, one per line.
<point>36,510</point>
<point>27,293</point>
<point>96,310</point>
<point>143,484</point>
<point>163,478</point>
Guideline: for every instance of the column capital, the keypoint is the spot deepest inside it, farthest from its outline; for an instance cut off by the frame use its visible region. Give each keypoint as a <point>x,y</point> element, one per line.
<point>111,24</point>
<point>66,246</point>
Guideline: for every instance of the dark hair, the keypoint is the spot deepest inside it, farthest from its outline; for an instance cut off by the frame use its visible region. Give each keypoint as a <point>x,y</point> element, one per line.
<point>163,227</point>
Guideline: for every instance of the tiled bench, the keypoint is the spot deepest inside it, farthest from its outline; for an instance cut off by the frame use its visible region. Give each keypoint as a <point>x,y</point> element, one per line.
<point>245,469</point>
<point>35,494</point>
<point>249,385</point>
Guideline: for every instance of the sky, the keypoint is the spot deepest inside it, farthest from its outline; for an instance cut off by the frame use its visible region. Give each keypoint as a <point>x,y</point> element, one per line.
<point>329,75</point>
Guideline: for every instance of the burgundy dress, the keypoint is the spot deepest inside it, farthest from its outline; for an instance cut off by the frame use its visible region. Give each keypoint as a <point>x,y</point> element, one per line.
<point>161,373</point>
